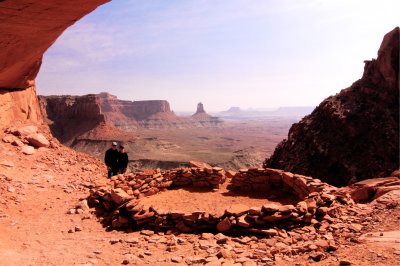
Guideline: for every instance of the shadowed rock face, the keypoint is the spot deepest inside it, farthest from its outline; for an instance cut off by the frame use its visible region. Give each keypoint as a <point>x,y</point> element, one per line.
<point>353,135</point>
<point>27,29</point>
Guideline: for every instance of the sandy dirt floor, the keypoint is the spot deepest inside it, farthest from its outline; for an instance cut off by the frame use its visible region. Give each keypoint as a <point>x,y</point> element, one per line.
<point>193,199</point>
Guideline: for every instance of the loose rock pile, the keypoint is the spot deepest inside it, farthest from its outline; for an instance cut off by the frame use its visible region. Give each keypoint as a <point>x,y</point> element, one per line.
<point>118,202</point>
<point>27,138</point>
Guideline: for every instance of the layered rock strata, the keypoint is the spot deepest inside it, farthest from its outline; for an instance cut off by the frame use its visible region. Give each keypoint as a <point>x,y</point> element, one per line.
<point>353,135</point>
<point>73,118</point>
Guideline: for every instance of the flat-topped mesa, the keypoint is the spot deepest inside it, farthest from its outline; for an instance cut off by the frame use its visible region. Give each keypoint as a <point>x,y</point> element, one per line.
<point>152,109</point>
<point>71,107</point>
<point>353,135</point>
<point>27,29</point>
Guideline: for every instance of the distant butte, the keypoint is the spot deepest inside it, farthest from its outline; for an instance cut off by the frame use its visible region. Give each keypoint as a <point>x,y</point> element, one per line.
<point>204,118</point>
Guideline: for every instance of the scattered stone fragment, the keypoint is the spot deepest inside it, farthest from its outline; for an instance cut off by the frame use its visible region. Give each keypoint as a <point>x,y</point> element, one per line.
<point>317,256</point>
<point>344,263</point>
<point>221,238</point>
<point>355,227</point>
<point>114,241</point>
<point>132,240</point>
<point>147,232</point>
<point>17,143</point>
<point>249,263</point>
<point>176,259</point>
<point>71,211</point>
<point>7,163</point>
<point>224,225</point>
<point>10,189</point>
<point>38,140</point>
<point>78,228</point>
<point>28,150</point>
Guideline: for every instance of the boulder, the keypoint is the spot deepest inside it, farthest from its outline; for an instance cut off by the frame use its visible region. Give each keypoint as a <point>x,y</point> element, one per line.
<point>224,225</point>
<point>119,196</point>
<point>270,207</point>
<point>25,131</point>
<point>8,138</point>
<point>28,150</point>
<point>38,140</point>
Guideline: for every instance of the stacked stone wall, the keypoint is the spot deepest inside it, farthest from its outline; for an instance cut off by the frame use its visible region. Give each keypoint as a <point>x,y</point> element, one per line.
<point>119,206</point>
<point>267,179</point>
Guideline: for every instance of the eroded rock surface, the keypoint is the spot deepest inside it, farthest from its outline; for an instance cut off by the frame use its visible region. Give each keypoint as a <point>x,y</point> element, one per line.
<point>353,135</point>
<point>27,30</point>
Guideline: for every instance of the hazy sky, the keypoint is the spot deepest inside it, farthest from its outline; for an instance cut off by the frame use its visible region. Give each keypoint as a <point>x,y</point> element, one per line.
<point>247,53</point>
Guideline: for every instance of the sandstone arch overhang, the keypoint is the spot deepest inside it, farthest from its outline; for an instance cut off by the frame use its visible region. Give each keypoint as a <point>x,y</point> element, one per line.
<point>27,29</point>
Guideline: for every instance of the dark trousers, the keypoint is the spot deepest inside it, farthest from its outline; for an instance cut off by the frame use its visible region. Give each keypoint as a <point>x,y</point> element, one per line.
<point>112,171</point>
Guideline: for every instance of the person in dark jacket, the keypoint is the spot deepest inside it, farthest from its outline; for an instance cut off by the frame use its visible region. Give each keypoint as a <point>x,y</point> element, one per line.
<point>111,160</point>
<point>122,160</point>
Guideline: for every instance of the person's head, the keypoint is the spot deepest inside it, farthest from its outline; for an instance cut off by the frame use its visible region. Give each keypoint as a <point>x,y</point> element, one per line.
<point>114,145</point>
<point>121,149</point>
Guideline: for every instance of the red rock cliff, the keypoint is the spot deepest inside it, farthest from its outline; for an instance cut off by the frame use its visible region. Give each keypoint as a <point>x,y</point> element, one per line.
<point>72,116</point>
<point>27,29</point>
<point>353,135</point>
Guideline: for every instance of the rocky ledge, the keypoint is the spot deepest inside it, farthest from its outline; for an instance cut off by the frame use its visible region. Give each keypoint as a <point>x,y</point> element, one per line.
<point>353,135</point>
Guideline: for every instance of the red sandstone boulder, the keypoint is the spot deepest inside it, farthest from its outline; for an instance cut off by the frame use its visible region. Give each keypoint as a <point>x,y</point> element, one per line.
<point>224,225</point>
<point>38,140</point>
<point>28,150</point>
<point>119,196</point>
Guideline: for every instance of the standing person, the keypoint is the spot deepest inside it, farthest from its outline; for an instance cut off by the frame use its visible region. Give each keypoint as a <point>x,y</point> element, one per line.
<point>122,160</point>
<point>111,160</point>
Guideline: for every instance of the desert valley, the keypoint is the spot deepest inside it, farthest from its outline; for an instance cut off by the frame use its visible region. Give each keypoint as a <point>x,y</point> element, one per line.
<point>289,186</point>
<point>155,137</point>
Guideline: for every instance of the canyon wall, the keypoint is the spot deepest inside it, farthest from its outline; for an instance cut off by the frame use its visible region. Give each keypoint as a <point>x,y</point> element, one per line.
<point>353,135</point>
<point>27,29</point>
<point>70,117</point>
<point>17,106</point>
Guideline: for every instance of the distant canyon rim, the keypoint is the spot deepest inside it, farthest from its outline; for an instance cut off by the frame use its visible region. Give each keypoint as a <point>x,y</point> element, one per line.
<point>154,136</point>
